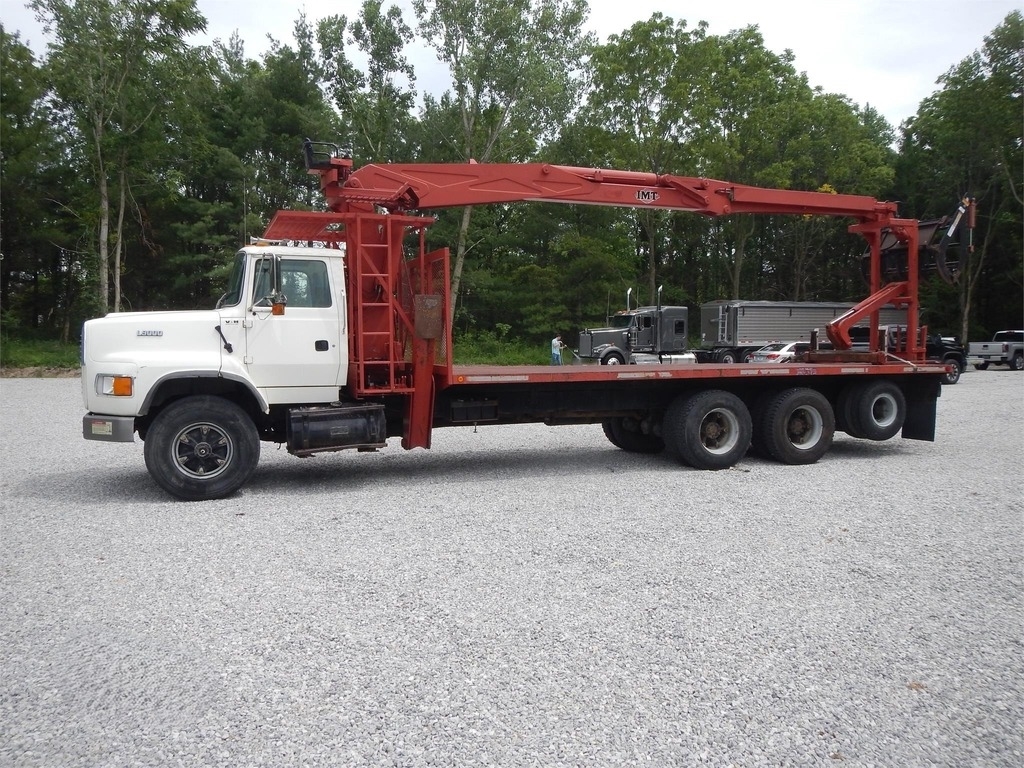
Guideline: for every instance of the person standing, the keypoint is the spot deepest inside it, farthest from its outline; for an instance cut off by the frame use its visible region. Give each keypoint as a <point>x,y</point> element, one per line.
<point>556,349</point>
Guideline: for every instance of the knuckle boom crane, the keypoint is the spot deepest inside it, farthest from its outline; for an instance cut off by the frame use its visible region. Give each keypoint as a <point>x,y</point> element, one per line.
<point>402,188</point>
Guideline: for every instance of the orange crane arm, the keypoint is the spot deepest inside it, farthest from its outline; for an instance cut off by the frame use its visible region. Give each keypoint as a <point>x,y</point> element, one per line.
<point>405,187</point>
<point>401,188</point>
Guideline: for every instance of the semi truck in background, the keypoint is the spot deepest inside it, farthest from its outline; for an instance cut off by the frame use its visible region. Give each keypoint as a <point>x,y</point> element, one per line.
<point>730,331</point>
<point>639,335</point>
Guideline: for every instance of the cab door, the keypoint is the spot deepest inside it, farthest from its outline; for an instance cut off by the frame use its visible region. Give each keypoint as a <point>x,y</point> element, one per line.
<point>304,346</point>
<point>642,336</point>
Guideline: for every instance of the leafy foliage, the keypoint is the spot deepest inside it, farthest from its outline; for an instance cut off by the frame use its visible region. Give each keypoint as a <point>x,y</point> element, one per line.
<point>965,141</point>
<point>32,353</point>
<point>378,103</point>
<point>142,162</point>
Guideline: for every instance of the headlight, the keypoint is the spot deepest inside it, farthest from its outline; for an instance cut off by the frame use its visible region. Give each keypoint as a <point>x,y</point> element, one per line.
<point>115,386</point>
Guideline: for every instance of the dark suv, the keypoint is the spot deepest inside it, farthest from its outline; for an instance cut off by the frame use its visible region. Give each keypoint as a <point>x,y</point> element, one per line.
<point>945,349</point>
<point>950,351</point>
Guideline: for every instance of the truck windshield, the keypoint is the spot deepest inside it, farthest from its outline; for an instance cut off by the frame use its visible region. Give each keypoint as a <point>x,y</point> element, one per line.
<point>234,292</point>
<point>621,321</point>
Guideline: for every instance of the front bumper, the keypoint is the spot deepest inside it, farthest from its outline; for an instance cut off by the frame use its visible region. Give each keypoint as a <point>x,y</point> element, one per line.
<point>109,429</point>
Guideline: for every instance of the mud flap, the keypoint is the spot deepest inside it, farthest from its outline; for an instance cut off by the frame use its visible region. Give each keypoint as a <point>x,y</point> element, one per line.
<point>920,421</point>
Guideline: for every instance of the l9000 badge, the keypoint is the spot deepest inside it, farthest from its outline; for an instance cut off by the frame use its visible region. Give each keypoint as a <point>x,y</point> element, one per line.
<point>149,333</point>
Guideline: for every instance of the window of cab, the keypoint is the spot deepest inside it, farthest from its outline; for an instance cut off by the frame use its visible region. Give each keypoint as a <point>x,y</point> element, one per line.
<point>304,283</point>
<point>233,295</point>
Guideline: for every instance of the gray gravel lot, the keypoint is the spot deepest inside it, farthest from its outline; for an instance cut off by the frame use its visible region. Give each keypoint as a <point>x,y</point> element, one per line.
<point>516,596</point>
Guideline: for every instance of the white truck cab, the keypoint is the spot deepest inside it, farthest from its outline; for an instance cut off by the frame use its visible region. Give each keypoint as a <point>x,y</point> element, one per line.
<point>280,329</point>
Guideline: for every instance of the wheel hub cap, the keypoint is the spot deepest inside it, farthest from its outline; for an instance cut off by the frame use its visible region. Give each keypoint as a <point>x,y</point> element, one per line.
<point>202,450</point>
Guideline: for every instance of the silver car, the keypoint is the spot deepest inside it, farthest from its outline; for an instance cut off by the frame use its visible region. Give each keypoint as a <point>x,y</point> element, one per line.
<point>780,351</point>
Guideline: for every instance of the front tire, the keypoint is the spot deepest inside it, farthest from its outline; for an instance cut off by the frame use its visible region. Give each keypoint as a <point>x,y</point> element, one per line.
<point>613,359</point>
<point>797,426</point>
<point>202,447</point>
<point>708,430</point>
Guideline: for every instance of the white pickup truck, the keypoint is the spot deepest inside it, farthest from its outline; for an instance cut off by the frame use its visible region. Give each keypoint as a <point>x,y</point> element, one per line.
<point>1006,348</point>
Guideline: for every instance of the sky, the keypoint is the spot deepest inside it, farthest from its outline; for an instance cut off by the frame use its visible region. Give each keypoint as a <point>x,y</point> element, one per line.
<point>884,53</point>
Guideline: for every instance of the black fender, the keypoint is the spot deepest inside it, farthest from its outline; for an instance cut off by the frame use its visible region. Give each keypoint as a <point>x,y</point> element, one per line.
<point>180,383</point>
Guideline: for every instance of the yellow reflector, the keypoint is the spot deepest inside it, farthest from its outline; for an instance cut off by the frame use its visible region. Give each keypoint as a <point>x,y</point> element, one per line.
<point>122,386</point>
<point>118,386</point>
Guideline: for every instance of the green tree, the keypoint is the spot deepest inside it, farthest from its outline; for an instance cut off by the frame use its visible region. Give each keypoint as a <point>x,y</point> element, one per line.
<point>649,91</point>
<point>237,162</point>
<point>42,278</point>
<point>834,148</point>
<point>966,140</point>
<point>377,103</point>
<point>514,66</point>
<point>26,136</point>
<point>682,102</point>
<point>108,60</point>
<point>756,98</point>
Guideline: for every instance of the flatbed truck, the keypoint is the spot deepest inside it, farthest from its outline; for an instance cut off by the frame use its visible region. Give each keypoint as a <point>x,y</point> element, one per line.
<point>346,341</point>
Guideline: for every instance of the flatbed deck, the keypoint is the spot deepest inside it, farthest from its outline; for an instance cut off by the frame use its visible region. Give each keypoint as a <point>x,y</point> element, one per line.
<point>569,394</point>
<point>465,376</point>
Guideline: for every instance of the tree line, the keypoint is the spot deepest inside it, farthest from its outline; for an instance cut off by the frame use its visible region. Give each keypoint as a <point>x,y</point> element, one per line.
<point>134,164</point>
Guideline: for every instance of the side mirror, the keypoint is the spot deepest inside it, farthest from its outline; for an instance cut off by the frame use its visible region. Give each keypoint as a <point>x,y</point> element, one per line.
<point>278,301</point>
<point>267,286</point>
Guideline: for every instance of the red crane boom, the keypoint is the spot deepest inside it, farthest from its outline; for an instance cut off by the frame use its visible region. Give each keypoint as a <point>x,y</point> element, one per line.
<point>400,188</point>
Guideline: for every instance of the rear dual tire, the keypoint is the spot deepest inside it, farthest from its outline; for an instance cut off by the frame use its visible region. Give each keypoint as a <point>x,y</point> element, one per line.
<point>707,430</point>
<point>796,426</point>
<point>714,429</point>
<point>625,433</point>
<point>872,410</point>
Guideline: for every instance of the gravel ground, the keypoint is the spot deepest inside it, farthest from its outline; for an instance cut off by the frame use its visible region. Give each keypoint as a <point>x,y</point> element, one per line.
<point>516,596</point>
